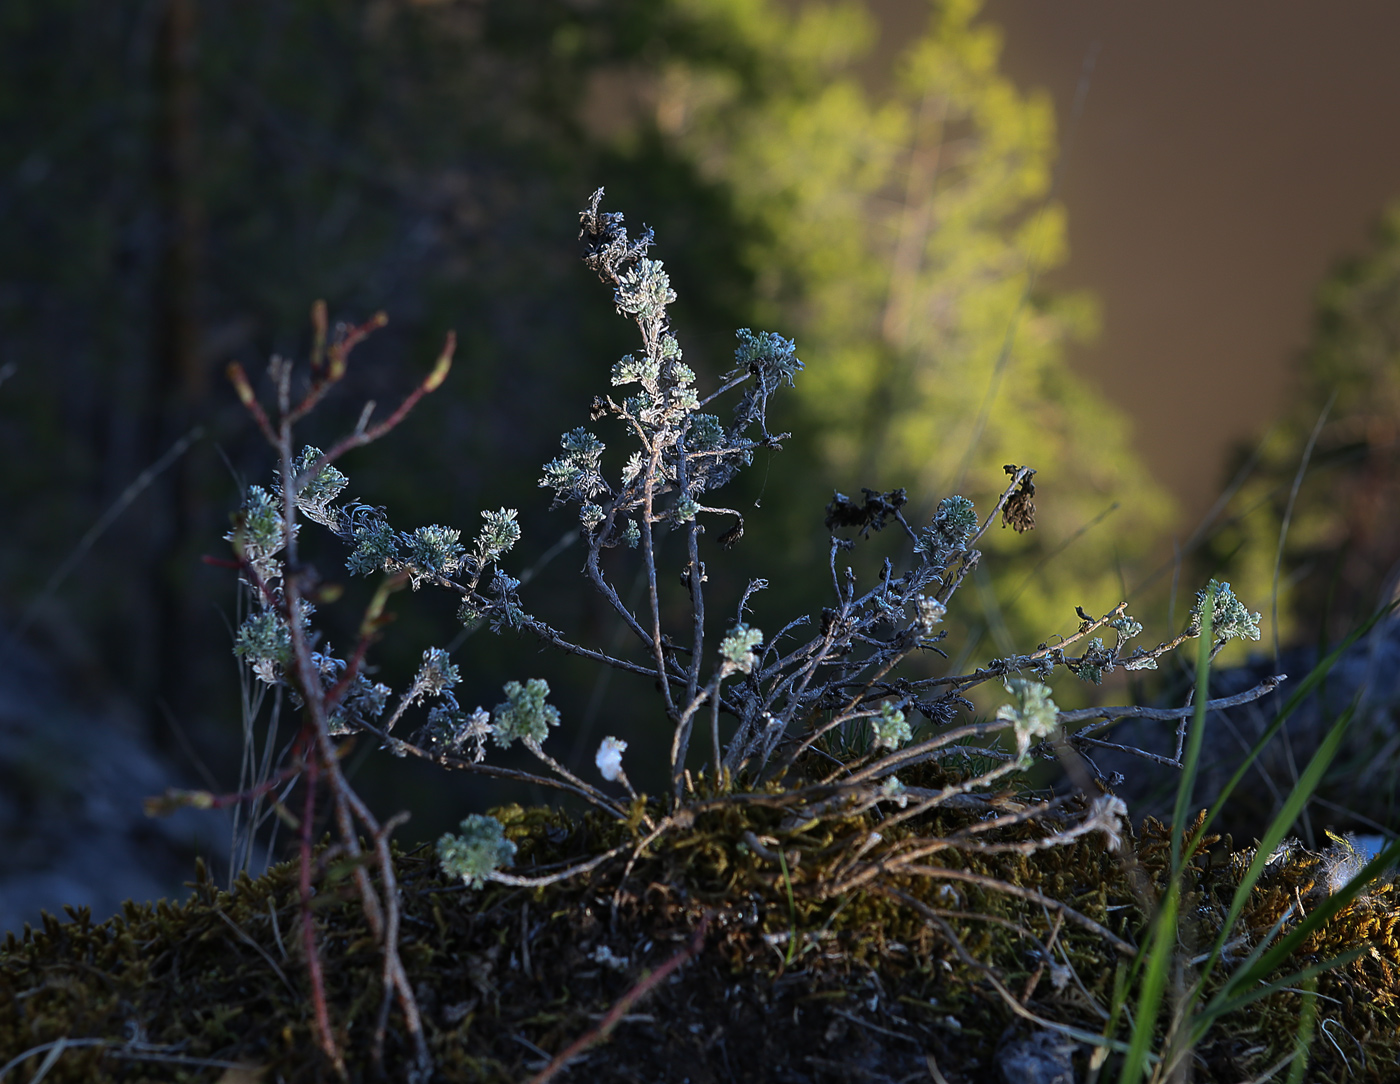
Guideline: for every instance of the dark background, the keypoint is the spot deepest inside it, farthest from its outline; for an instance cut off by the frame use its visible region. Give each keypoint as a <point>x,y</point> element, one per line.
<point>179,179</point>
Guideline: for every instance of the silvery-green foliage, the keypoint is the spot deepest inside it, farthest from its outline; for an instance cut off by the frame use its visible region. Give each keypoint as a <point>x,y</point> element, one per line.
<point>1098,660</point>
<point>772,361</point>
<point>685,453</point>
<point>644,290</point>
<point>478,851</point>
<point>376,543</point>
<point>737,649</point>
<point>890,729</point>
<point>314,496</point>
<point>1033,714</point>
<point>434,551</point>
<point>363,702</point>
<point>576,475</point>
<point>264,643</point>
<point>506,608</point>
<point>706,433</point>
<point>947,536</point>
<point>645,370</point>
<point>771,354</point>
<point>524,715</point>
<point>1095,662</point>
<point>498,535</point>
<point>451,730</point>
<point>1126,627</point>
<point>257,526</point>
<point>1229,618</point>
<point>257,535</point>
<point>435,676</point>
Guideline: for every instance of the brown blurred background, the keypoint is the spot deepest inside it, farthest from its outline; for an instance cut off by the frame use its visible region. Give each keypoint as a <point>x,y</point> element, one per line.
<point>1227,155</point>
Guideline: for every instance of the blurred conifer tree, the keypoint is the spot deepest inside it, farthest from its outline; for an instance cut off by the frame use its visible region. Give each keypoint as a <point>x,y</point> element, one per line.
<point>902,235</point>
<point>1341,556</point>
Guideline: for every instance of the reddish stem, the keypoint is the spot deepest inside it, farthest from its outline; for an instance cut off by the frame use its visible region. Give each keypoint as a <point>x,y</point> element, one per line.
<point>618,1011</point>
<point>239,379</point>
<point>308,927</point>
<point>430,383</point>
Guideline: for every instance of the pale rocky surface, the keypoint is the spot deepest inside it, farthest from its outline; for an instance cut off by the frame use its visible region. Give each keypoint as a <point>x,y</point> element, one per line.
<point>74,770</point>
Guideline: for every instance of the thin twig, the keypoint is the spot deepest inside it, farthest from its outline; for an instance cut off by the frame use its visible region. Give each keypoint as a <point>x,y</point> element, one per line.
<point>618,1011</point>
<point>555,878</point>
<point>995,885</point>
<point>139,485</point>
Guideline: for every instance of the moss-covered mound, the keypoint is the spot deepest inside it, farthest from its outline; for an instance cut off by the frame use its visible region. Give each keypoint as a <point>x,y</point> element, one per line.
<point>788,982</point>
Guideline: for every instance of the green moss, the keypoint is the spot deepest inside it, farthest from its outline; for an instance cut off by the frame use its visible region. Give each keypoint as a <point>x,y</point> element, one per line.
<point>823,986</point>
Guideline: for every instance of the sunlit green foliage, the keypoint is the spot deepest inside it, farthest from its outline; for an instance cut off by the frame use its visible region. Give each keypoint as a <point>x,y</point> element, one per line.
<point>899,231</point>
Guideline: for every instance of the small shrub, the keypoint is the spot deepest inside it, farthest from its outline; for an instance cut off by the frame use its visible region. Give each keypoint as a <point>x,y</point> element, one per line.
<point>822,711</point>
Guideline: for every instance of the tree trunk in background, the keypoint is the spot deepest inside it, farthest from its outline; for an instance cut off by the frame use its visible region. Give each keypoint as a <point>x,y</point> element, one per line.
<point>179,383</point>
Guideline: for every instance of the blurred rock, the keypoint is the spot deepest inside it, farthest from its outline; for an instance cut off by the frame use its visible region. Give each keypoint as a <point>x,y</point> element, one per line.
<point>73,775</point>
<point>1361,788</point>
<point>1044,1057</point>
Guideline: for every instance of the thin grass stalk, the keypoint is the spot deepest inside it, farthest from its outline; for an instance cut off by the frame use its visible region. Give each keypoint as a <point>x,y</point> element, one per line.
<point>1163,946</point>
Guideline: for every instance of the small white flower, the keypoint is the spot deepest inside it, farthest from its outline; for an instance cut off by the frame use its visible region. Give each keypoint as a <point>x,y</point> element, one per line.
<point>609,758</point>
<point>893,790</point>
<point>1107,815</point>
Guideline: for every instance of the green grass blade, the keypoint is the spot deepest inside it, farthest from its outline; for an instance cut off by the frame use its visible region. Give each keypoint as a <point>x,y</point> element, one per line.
<point>1264,942</point>
<point>1315,677</point>
<point>1154,981</point>
<point>1192,759</point>
<point>1307,1019</point>
<point>1323,914</point>
<point>1273,836</point>
<point>1212,1012</point>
